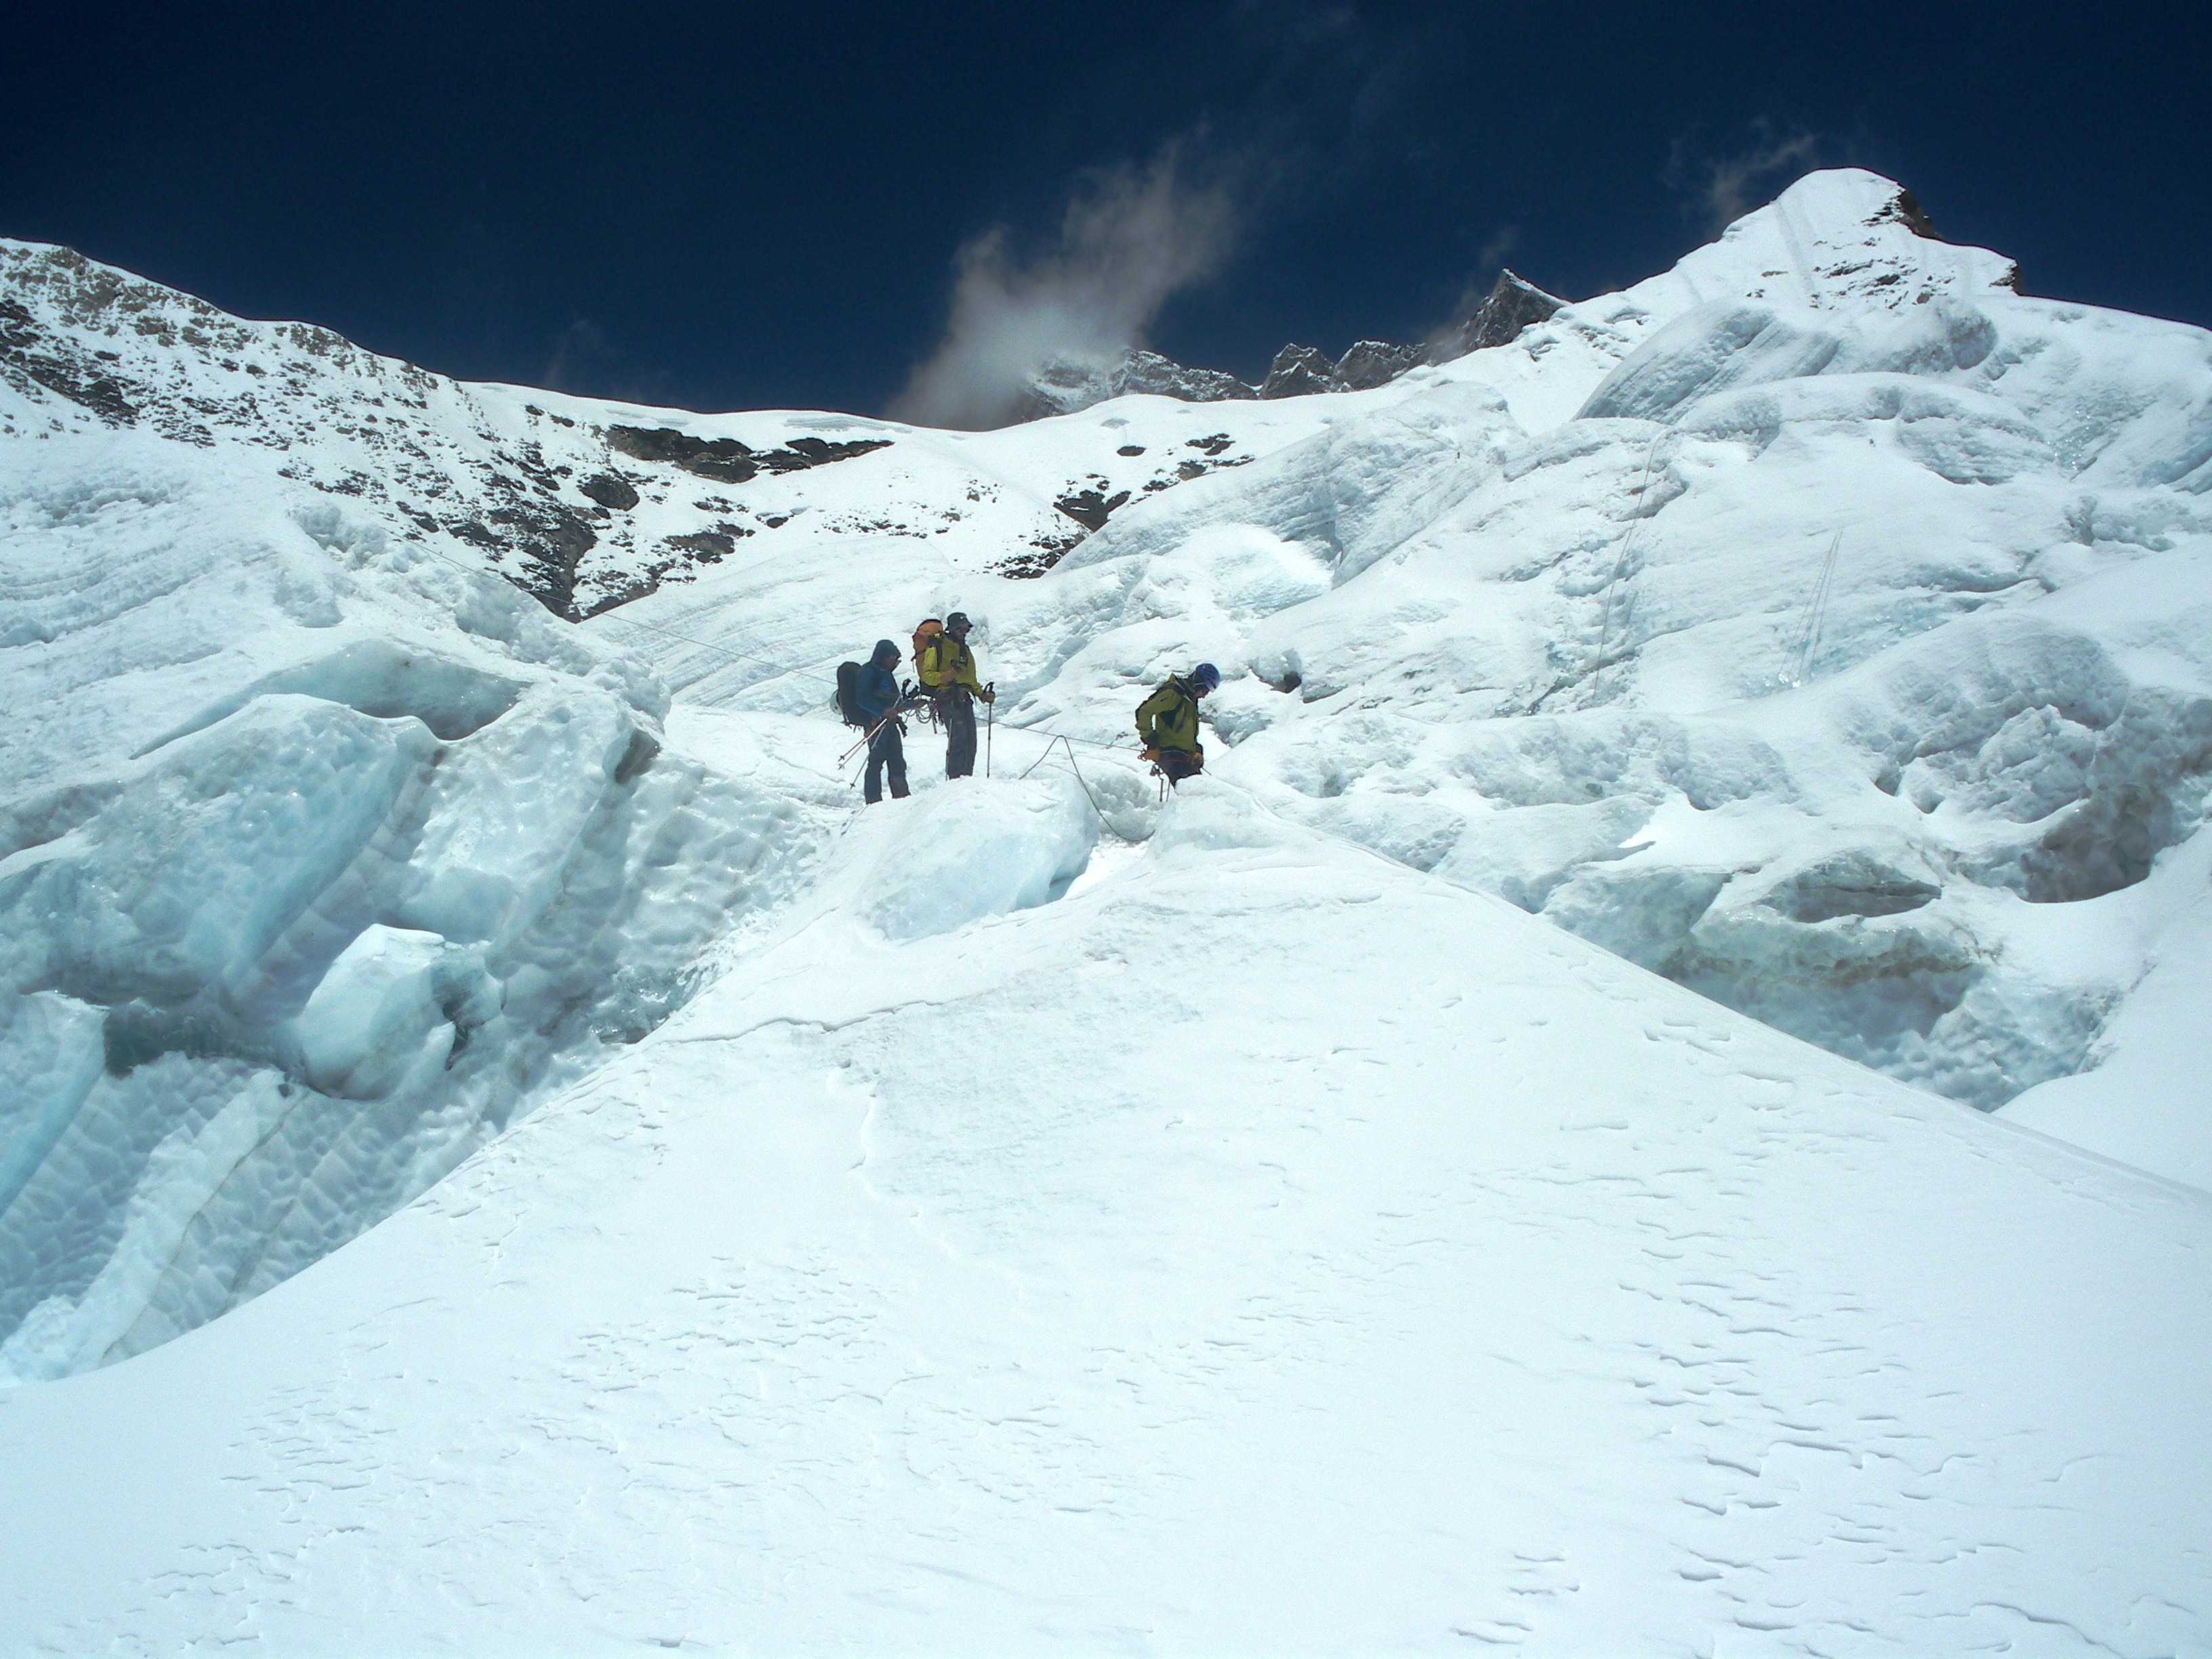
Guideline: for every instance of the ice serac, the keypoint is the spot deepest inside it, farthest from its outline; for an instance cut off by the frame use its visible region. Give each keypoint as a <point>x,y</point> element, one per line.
<point>1821,623</point>
<point>322,866</point>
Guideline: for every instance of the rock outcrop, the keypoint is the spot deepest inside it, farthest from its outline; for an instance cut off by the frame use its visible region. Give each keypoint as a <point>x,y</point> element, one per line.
<point>1510,307</point>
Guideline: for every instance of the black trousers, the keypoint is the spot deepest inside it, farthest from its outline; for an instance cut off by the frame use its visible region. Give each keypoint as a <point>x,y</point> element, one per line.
<point>957,711</point>
<point>885,753</point>
<point>1180,764</point>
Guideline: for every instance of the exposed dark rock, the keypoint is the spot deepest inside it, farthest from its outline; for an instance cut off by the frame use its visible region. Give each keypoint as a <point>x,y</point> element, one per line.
<point>1130,449</point>
<point>608,489</point>
<point>1027,567</point>
<point>1147,372</point>
<point>1904,209</point>
<point>1302,371</point>
<point>552,541</point>
<point>103,394</point>
<point>1371,363</point>
<point>724,459</point>
<point>1091,509</point>
<point>707,546</point>
<point>1511,306</point>
<point>125,351</point>
<point>1062,388</point>
<point>816,452</point>
<point>1212,444</point>
<point>1065,386</point>
<point>1297,372</point>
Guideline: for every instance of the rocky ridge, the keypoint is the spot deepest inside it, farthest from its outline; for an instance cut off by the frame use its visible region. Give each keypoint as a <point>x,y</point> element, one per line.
<point>1066,385</point>
<point>542,496</point>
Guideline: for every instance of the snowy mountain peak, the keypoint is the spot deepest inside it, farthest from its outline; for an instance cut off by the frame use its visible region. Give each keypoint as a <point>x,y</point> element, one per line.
<point>1067,385</point>
<point>1841,237</point>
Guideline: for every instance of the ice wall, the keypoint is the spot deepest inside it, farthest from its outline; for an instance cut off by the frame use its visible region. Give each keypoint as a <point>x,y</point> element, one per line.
<point>314,888</point>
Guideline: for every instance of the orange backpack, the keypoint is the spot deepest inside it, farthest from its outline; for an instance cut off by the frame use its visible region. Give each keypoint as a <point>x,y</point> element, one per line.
<point>929,632</point>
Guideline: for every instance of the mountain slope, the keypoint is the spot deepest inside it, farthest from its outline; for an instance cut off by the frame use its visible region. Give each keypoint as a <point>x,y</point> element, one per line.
<point>1821,623</point>
<point>647,1197</point>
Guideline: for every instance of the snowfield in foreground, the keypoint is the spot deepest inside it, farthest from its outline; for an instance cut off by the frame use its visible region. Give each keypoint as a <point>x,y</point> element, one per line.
<point>1186,1265</point>
<point>557,1176</point>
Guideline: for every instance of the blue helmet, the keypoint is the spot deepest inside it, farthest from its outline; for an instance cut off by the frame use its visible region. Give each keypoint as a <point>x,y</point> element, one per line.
<point>1206,676</point>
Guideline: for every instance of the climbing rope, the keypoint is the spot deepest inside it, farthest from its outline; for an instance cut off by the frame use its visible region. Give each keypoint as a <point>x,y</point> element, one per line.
<point>1816,611</point>
<point>1627,545</point>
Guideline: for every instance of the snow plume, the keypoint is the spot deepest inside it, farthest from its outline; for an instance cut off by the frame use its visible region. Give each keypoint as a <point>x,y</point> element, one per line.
<point>1131,239</point>
<point>585,361</point>
<point>1721,189</point>
<point>1503,242</point>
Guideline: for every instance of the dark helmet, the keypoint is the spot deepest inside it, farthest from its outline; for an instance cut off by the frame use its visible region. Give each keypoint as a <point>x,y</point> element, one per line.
<point>1206,676</point>
<point>957,619</point>
<point>886,653</point>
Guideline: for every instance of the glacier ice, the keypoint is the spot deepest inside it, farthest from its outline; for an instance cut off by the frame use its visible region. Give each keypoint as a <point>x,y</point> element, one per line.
<point>341,888</point>
<point>1821,623</point>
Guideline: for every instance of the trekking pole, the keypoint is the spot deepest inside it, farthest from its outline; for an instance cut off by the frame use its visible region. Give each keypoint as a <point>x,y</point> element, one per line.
<point>867,737</point>
<point>990,720</point>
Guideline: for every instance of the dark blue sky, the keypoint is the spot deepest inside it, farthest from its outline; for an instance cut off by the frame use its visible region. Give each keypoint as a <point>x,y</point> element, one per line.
<point>729,206</point>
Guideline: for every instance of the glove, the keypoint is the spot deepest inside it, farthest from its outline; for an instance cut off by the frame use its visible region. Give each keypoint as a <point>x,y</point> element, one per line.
<point>988,695</point>
<point>1152,754</point>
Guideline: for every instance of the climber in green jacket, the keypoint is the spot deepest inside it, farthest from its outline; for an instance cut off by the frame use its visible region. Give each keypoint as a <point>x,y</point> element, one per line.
<point>1167,722</point>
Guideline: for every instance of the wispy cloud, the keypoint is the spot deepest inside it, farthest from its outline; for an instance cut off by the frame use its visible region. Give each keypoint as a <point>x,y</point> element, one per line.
<point>1723,188</point>
<point>1131,239</point>
<point>1322,82</point>
<point>584,360</point>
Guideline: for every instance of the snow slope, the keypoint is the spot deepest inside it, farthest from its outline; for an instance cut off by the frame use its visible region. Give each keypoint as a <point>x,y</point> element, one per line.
<point>326,852</point>
<point>651,1200</point>
<point>1129,1274</point>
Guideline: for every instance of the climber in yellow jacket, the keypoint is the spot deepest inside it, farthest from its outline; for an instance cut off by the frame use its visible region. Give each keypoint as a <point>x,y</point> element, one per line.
<point>947,668</point>
<point>1167,722</point>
